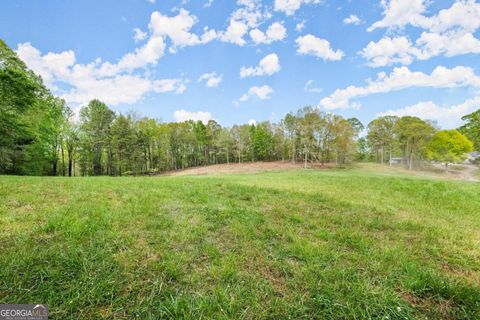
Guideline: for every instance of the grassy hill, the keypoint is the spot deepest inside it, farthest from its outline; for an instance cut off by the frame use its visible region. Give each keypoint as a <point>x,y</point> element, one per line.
<point>311,244</point>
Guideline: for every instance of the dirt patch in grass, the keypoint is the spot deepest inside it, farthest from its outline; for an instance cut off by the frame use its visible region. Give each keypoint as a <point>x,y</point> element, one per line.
<point>469,275</point>
<point>438,309</point>
<point>248,167</point>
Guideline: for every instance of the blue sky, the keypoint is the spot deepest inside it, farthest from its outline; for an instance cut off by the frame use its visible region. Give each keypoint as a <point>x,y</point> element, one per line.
<point>175,60</point>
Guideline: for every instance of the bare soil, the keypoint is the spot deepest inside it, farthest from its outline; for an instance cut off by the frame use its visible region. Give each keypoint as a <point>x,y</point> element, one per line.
<point>247,167</point>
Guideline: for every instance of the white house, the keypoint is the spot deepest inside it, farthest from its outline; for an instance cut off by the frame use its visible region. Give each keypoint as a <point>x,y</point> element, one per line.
<point>472,157</point>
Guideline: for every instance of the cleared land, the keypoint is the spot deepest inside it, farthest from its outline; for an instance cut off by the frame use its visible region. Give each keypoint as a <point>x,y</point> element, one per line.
<point>460,172</point>
<point>325,244</point>
<point>247,167</point>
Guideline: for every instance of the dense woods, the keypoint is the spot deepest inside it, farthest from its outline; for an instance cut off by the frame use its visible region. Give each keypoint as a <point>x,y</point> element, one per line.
<point>39,136</point>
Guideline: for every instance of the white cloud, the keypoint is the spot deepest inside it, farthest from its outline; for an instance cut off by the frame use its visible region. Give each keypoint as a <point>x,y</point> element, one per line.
<point>169,85</point>
<point>275,32</point>
<point>388,51</point>
<point>463,15</point>
<point>235,32</point>
<point>248,16</point>
<point>262,93</point>
<point>139,35</point>
<point>252,122</point>
<point>177,29</point>
<point>290,6</point>
<point>111,83</point>
<point>445,116</point>
<point>184,115</point>
<point>149,54</point>
<point>212,80</point>
<point>311,45</point>
<point>450,32</point>
<point>152,1</point>
<point>398,13</point>
<point>266,67</point>
<point>300,26</point>
<point>400,50</point>
<point>308,87</point>
<point>127,80</point>
<point>352,19</point>
<point>399,79</point>
<point>450,44</point>
<point>49,66</point>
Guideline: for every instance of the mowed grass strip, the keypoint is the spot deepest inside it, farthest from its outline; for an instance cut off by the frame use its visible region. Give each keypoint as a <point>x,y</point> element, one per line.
<point>299,244</point>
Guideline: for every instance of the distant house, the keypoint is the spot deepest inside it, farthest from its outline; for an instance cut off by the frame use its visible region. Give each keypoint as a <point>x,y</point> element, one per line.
<point>396,161</point>
<point>473,157</point>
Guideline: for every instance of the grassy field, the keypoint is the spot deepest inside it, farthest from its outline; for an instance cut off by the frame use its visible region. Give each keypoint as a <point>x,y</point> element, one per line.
<point>297,244</point>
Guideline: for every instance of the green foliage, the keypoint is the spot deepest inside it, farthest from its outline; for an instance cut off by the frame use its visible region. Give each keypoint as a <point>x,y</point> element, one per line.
<point>363,152</point>
<point>382,137</point>
<point>38,136</point>
<point>405,137</point>
<point>262,142</point>
<point>448,146</point>
<point>413,136</point>
<point>95,122</point>
<point>472,128</point>
<point>31,119</point>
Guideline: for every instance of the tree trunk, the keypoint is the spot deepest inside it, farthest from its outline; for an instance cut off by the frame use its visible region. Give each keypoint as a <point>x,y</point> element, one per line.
<point>305,163</point>
<point>410,165</point>
<point>293,149</point>
<point>390,155</point>
<point>63,161</point>
<point>54,159</point>
<point>70,158</point>
<point>54,167</point>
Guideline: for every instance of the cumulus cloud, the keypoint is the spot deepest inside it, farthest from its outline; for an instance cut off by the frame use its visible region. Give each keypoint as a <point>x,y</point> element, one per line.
<point>275,32</point>
<point>262,93</point>
<point>178,28</point>
<point>184,115</point>
<point>311,45</point>
<point>124,81</point>
<point>248,16</point>
<point>446,116</point>
<point>450,32</point>
<point>398,13</point>
<point>352,19</point>
<point>290,6</point>
<point>399,79</point>
<point>212,80</point>
<point>388,51</point>
<point>266,67</point>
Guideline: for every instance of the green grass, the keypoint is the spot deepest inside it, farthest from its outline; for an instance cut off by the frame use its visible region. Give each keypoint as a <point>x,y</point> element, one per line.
<point>302,244</point>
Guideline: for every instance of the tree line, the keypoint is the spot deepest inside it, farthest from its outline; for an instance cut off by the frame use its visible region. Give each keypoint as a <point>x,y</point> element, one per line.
<point>38,136</point>
<point>411,140</point>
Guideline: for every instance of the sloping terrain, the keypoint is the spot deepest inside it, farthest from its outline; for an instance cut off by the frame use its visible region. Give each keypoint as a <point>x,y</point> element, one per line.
<point>297,244</point>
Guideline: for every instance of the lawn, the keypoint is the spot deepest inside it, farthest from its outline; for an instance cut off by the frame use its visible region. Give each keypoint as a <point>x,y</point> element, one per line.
<point>297,244</point>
